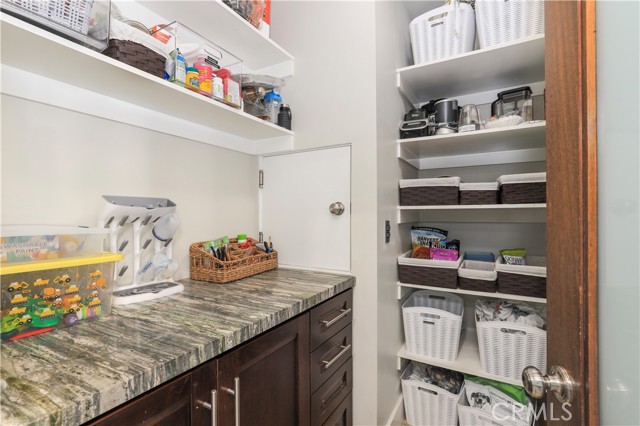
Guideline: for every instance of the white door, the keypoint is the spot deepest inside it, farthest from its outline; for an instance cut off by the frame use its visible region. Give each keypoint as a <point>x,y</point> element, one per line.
<point>298,190</point>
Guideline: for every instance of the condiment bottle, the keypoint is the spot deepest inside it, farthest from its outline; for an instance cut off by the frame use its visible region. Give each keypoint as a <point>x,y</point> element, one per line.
<point>284,116</point>
<point>206,72</point>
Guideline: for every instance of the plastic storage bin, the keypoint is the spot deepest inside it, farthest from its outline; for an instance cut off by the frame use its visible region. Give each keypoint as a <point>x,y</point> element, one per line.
<point>432,324</point>
<point>524,280</point>
<point>445,31</point>
<point>428,272</point>
<point>472,416</point>
<point>428,405</point>
<point>501,21</point>
<point>429,192</point>
<point>524,188</point>
<point>479,193</point>
<point>507,348</point>
<point>40,296</point>
<point>477,276</point>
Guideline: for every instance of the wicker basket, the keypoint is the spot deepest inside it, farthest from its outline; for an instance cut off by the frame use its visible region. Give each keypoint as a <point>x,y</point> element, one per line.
<point>429,405</point>
<point>477,276</point>
<point>503,21</point>
<point>523,280</point>
<point>500,415</point>
<point>479,193</point>
<point>523,188</point>
<point>433,273</point>
<point>137,56</point>
<point>432,324</point>
<point>73,14</point>
<point>205,267</point>
<point>429,192</point>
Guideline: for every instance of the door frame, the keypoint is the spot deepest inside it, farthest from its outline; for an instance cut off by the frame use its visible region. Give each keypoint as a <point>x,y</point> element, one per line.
<point>570,109</point>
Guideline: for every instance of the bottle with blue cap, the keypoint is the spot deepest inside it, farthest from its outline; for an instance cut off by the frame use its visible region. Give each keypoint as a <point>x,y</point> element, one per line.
<point>272,102</point>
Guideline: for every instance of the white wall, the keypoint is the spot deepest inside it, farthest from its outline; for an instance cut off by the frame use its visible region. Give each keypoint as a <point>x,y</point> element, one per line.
<point>332,97</point>
<point>55,165</point>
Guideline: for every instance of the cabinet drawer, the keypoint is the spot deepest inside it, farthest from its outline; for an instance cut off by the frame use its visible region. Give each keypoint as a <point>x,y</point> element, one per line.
<point>330,356</point>
<point>343,416</point>
<point>332,392</point>
<point>330,317</point>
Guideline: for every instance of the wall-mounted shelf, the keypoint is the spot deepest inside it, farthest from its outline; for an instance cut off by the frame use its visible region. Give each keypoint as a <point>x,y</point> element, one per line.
<point>504,65</point>
<point>217,22</point>
<point>515,213</point>
<point>468,360</point>
<point>402,295</point>
<point>514,144</point>
<point>46,68</point>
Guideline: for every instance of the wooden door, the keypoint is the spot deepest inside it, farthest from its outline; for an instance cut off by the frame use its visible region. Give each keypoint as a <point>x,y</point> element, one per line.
<point>571,205</point>
<point>266,381</point>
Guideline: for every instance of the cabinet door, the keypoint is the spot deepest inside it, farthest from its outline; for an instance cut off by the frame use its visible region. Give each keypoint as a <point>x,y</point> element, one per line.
<point>167,405</point>
<point>205,395</point>
<point>266,381</point>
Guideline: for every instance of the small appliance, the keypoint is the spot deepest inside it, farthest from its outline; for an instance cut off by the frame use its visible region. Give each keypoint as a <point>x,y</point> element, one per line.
<point>415,124</point>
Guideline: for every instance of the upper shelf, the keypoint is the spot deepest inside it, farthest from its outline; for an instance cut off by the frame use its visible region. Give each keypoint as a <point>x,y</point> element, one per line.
<point>217,22</point>
<point>505,65</point>
<point>67,75</point>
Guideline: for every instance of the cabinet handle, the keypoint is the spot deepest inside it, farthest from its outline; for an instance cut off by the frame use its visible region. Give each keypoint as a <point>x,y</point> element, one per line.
<point>328,364</point>
<point>236,394</point>
<point>343,313</point>
<point>211,406</point>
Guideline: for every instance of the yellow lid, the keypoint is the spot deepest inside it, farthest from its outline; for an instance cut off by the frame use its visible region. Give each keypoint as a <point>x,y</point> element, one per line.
<point>17,268</point>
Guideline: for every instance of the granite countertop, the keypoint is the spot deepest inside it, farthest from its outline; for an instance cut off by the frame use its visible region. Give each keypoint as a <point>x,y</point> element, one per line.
<point>69,376</point>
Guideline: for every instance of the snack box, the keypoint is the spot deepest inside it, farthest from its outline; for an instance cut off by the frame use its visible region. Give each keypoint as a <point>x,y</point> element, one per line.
<point>43,295</point>
<point>27,243</point>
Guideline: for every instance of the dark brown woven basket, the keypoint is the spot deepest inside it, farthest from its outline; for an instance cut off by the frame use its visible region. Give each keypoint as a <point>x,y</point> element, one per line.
<point>429,196</point>
<point>478,197</point>
<point>427,276</point>
<point>206,267</point>
<point>136,55</point>
<point>522,285</point>
<point>523,193</point>
<point>477,285</point>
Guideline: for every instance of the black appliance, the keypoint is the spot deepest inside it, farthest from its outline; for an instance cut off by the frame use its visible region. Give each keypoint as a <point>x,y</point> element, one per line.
<point>415,124</point>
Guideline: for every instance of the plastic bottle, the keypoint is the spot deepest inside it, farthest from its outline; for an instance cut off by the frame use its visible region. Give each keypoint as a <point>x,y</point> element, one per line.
<point>181,69</point>
<point>166,227</point>
<point>284,116</point>
<point>206,73</point>
<point>218,88</point>
<point>150,269</point>
<point>272,102</point>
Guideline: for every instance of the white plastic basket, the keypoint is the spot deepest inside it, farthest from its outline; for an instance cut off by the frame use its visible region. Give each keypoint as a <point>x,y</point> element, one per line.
<point>432,324</point>
<point>73,14</point>
<point>507,348</point>
<point>471,416</point>
<point>500,21</point>
<point>441,32</point>
<point>429,405</point>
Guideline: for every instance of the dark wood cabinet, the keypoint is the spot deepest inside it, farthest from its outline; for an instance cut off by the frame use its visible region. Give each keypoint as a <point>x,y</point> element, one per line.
<point>298,373</point>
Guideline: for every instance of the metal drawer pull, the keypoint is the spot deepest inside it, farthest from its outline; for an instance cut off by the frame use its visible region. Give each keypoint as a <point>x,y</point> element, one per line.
<point>343,313</point>
<point>345,349</point>
<point>211,406</point>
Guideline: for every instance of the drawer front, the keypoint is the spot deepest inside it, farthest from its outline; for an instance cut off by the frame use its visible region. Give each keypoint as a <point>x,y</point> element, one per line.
<point>343,416</point>
<point>330,356</point>
<point>332,392</point>
<point>330,317</point>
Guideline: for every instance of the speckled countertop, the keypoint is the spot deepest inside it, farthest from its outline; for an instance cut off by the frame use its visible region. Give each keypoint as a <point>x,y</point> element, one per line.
<point>69,376</point>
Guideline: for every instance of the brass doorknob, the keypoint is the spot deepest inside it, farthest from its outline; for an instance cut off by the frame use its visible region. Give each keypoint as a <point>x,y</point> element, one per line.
<point>336,208</point>
<point>557,381</point>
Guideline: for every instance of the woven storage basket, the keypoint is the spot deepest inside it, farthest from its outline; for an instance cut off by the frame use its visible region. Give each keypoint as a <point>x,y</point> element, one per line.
<point>205,267</point>
<point>432,324</point>
<point>500,21</point>
<point>428,405</point>
<point>433,273</point>
<point>445,31</point>
<point>137,56</point>
<point>429,192</point>
<point>477,276</point>
<point>73,14</point>
<point>479,193</point>
<point>472,416</point>
<point>524,280</point>
<point>507,348</point>
<point>523,188</point>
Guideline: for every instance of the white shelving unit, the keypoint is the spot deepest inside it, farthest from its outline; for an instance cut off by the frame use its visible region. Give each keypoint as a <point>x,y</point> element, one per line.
<point>43,67</point>
<point>496,295</point>
<point>517,213</point>
<point>468,360</point>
